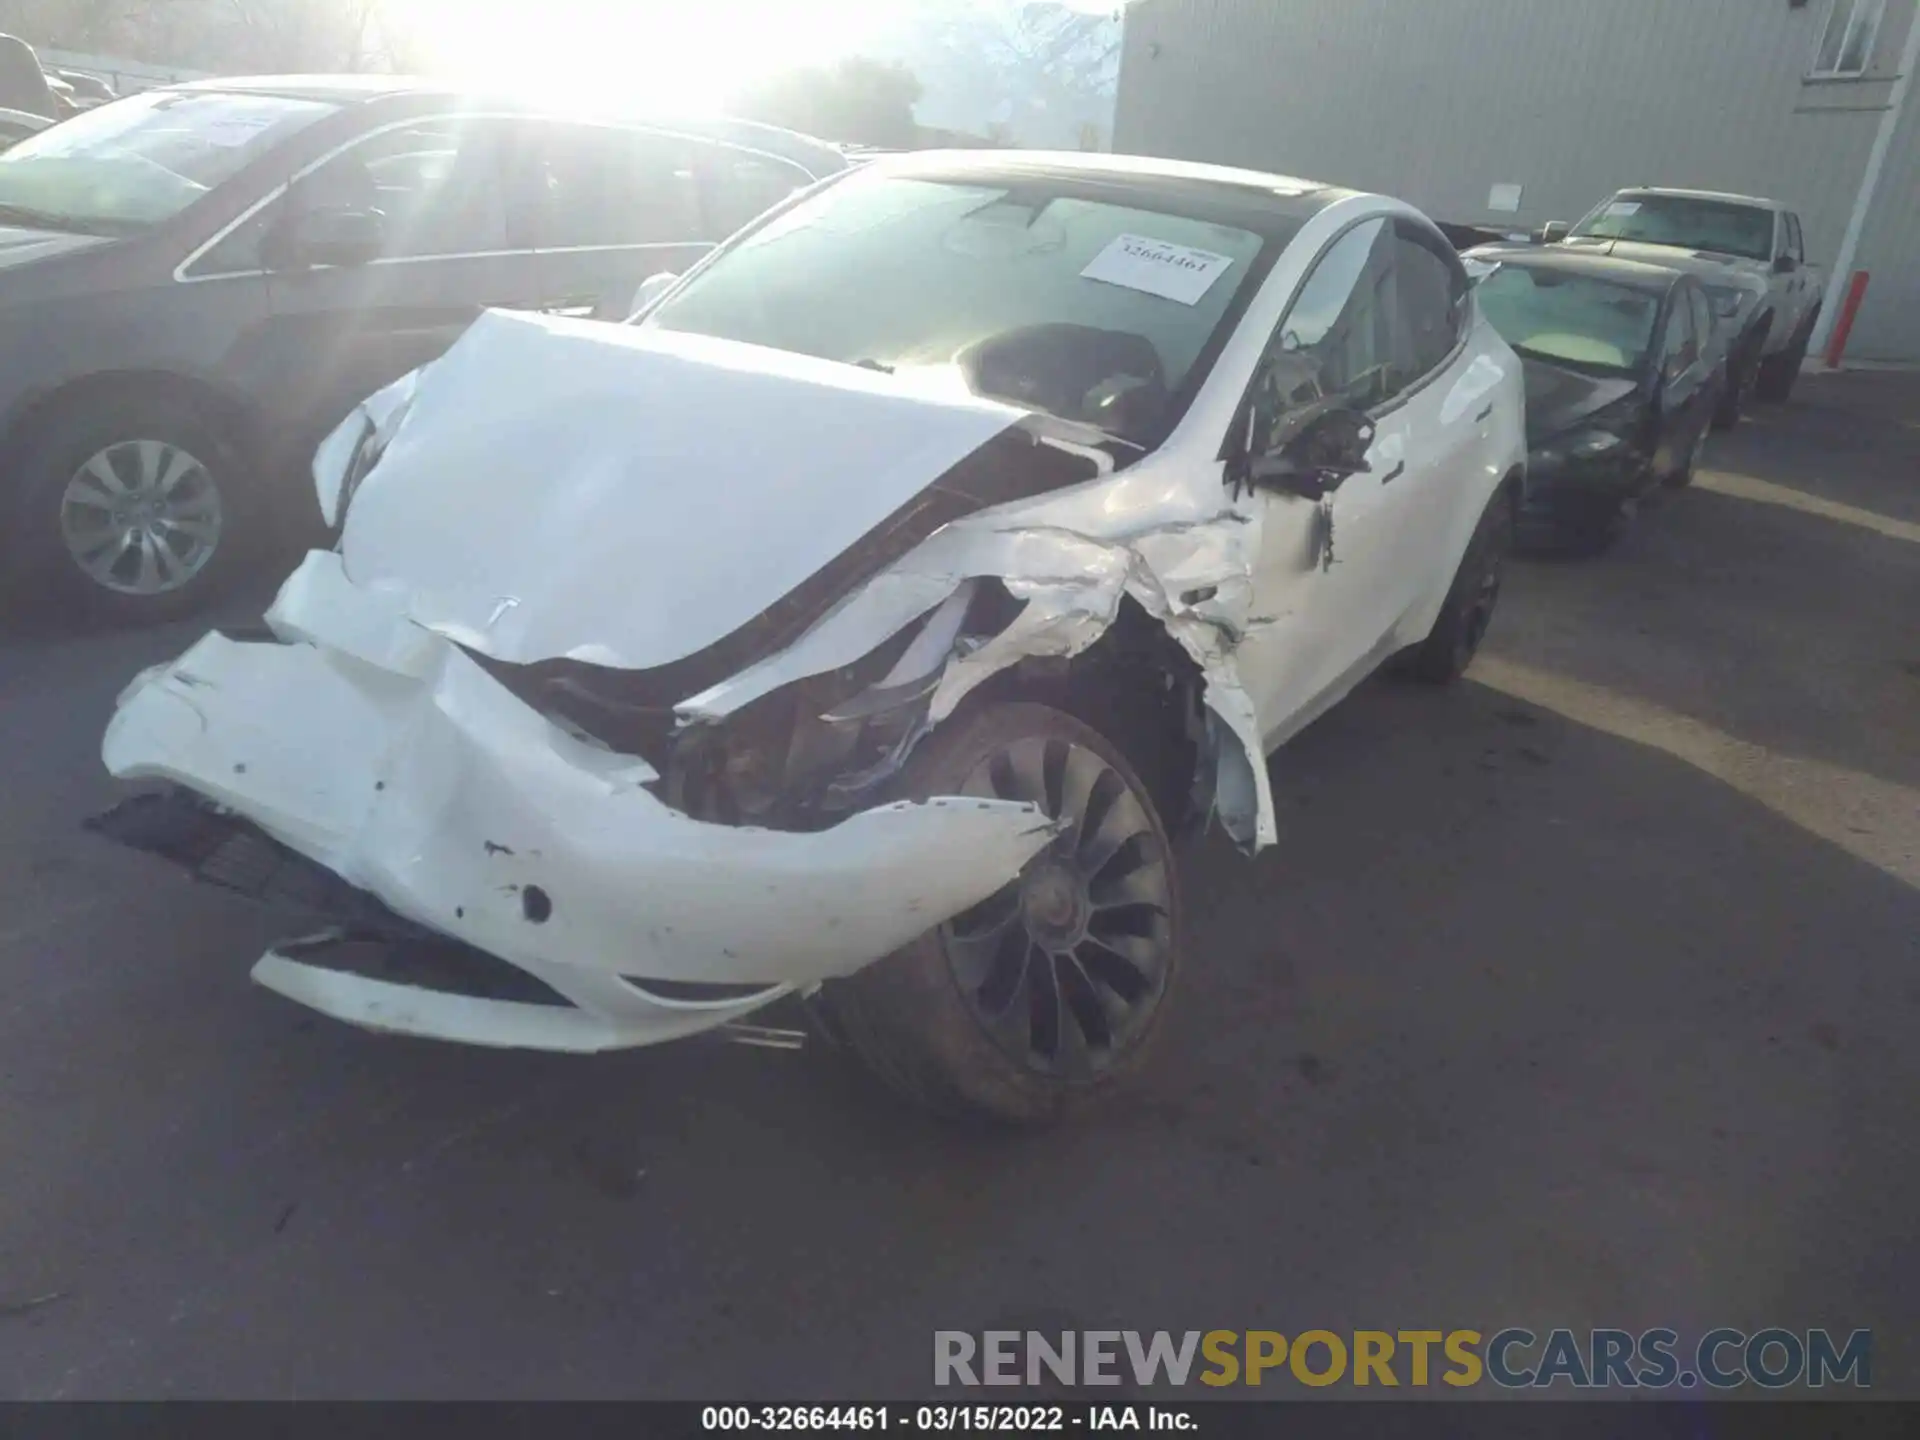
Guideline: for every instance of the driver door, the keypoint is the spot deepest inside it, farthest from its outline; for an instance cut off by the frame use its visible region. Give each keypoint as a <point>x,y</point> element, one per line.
<point>1326,587</point>
<point>1684,388</point>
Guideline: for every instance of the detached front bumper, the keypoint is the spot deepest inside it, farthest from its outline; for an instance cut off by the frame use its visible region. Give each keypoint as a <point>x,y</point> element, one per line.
<point>382,753</point>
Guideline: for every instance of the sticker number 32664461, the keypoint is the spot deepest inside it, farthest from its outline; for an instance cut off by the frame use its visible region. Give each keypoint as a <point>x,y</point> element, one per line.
<point>1157,267</point>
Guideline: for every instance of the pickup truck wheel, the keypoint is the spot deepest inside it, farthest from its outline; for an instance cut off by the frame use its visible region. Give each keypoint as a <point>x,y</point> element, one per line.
<point>1779,372</point>
<point>128,511</point>
<point>1743,371</point>
<point>1044,995</point>
<point>1449,648</point>
<point>1683,477</point>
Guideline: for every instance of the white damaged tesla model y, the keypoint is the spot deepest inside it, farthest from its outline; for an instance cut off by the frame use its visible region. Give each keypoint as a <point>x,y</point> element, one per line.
<point>862,621</point>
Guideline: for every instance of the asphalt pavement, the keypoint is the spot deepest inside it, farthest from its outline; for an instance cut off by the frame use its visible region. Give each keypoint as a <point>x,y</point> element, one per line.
<point>1585,993</point>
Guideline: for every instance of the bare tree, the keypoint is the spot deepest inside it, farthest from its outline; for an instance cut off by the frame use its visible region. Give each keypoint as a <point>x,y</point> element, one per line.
<point>864,101</point>
<point>229,35</point>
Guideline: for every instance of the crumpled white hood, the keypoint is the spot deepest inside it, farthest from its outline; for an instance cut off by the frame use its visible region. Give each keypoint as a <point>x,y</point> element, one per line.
<point>627,496</point>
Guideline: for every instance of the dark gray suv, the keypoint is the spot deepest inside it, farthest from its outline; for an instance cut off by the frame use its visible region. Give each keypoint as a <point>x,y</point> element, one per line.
<point>197,283</point>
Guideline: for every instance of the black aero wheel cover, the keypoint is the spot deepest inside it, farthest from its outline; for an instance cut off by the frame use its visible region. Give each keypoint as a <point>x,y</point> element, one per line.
<point>1065,968</point>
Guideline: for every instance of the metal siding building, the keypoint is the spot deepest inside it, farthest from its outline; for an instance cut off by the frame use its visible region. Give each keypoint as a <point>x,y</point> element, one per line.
<point>1438,101</point>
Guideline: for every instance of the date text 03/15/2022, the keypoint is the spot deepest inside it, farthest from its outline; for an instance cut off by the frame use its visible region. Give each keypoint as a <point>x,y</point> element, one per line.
<point>945,1419</point>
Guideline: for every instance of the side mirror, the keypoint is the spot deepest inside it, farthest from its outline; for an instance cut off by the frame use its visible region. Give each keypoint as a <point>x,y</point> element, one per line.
<point>1554,231</point>
<point>1785,265</point>
<point>331,235</point>
<point>1678,367</point>
<point>1477,268</point>
<point>651,289</point>
<point>1314,452</point>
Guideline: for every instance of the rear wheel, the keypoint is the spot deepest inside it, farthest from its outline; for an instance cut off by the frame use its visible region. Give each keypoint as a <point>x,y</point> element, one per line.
<point>1468,609</point>
<point>1045,994</point>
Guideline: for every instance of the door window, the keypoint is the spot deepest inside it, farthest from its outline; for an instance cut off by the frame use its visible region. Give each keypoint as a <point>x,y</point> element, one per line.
<point>593,186</point>
<point>1336,341</point>
<point>1702,314</point>
<point>1430,291</point>
<point>741,185</point>
<point>1794,246</point>
<point>437,183</point>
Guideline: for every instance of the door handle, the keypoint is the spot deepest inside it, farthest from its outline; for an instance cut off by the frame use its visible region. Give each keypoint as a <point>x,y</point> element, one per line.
<point>1394,474</point>
<point>1484,413</point>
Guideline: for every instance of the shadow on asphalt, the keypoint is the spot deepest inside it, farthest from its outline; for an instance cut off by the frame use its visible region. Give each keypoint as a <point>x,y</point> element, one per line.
<point>1519,1024</point>
<point>1853,438</point>
<point>1788,630</point>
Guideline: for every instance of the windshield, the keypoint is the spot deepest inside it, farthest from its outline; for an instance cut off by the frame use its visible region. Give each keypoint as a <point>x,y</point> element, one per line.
<point>1718,225</point>
<point>130,165</point>
<point>1571,319</point>
<point>1086,310</point>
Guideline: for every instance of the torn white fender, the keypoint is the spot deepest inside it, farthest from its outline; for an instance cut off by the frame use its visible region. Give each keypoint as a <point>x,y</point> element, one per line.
<point>1190,573</point>
<point>1191,576</point>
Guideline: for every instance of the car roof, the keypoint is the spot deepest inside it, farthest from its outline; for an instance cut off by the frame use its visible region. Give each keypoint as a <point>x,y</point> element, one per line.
<point>1245,197</point>
<point>348,90</point>
<point>1635,274</point>
<point>1724,197</point>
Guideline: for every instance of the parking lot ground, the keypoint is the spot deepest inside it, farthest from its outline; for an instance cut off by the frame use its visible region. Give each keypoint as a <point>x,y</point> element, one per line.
<point>1583,994</point>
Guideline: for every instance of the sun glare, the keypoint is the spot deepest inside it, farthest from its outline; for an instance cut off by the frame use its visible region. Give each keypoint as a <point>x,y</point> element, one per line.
<point>686,55</point>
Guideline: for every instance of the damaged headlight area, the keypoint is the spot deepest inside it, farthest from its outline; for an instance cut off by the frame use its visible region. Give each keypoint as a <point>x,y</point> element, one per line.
<point>810,753</point>
<point>800,758</point>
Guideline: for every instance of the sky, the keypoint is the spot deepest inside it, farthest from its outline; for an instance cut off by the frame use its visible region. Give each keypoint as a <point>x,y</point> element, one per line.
<point>687,55</point>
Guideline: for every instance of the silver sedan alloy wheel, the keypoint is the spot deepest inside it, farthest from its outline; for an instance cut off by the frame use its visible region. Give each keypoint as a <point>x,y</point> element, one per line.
<point>141,517</point>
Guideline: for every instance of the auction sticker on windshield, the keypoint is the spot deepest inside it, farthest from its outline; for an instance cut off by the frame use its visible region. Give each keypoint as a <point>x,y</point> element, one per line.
<point>1621,208</point>
<point>1174,272</point>
<point>237,124</point>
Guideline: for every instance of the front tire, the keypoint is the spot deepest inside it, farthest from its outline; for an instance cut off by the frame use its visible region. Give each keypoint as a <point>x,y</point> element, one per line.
<point>1042,997</point>
<point>1449,648</point>
<point>129,511</point>
<point>1689,467</point>
<point>1743,372</point>
<point>1778,373</point>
